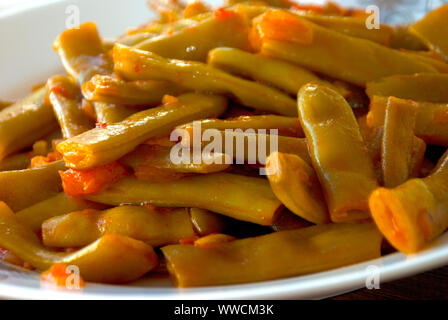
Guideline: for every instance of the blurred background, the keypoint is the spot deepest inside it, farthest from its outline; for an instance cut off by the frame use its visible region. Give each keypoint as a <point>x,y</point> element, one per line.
<point>393,11</point>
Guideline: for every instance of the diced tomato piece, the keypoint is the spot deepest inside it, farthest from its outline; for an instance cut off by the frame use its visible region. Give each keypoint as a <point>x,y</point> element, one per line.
<point>223,14</point>
<point>83,182</point>
<point>57,275</point>
<point>280,25</point>
<point>39,161</point>
<point>138,67</point>
<point>101,125</point>
<point>60,90</point>
<point>167,99</point>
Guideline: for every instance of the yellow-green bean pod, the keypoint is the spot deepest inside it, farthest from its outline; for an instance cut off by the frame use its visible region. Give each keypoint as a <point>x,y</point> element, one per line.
<point>24,122</point>
<point>240,197</point>
<point>60,204</point>
<point>111,259</point>
<point>139,93</point>
<point>135,64</point>
<point>276,255</point>
<point>149,225</point>
<point>65,97</point>
<point>103,145</point>
<point>23,188</point>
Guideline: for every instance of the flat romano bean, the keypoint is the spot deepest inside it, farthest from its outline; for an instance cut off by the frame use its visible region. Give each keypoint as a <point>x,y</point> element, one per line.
<point>286,126</point>
<point>18,161</point>
<point>335,54</point>
<point>338,152</point>
<point>403,39</point>
<point>350,26</point>
<point>417,157</point>
<point>245,147</point>
<point>431,58</point>
<point>431,121</point>
<point>135,38</point>
<point>193,43</point>
<point>243,198</point>
<point>398,142</point>
<point>206,222</point>
<point>135,64</point>
<point>83,55</point>
<point>415,212</point>
<point>24,122</point>
<point>111,259</point>
<point>60,204</point>
<point>280,74</point>
<point>160,158</point>
<point>66,99</point>
<point>156,28</point>
<point>151,226</point>
<point>289,221</point>
<point>109,113</point>
<point>425,87</point>
<point>432,30</point>
<point>139,93</point>
<point>82,52</point>
<point>23,188</point>
<point>273,256</point>
<point>100,146</point>
<point>296,185</point>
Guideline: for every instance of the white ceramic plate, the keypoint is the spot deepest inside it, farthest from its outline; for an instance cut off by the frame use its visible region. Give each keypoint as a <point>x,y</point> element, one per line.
<point>27,58</point>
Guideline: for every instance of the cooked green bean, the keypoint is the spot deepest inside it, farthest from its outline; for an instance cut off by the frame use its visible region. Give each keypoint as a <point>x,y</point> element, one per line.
<point>286,126</point>
<point>337,55</point>
<point>112,258</point>
<point>154,227</point>
<point>103,145</point>
<point>276,255</point>
<point>160,158</point>
<point>17,161</point>
<point>244,198</point>
<point>193,43</point>
<point>60,204</point>
<point>351,26</point>
<point>135,64</point>
<point>277,73</point>
<point>139,93</point>
<point>108,113</point>
<point>82,53</point>
<point>25,122</point>
<point>65,97</point>
<point>206,222</point>
<point>245,147</point>
<point>23,188</point>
